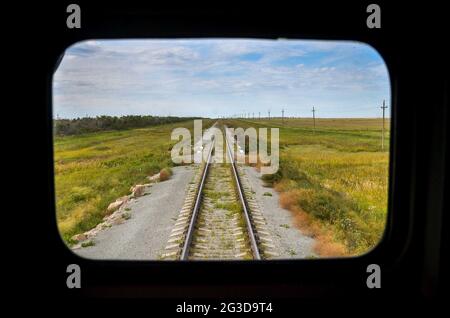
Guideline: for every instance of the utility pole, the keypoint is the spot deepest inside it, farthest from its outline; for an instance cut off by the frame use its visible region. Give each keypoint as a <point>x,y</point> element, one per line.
<point>314,117</point>
<point>259,115</point>
<point>282,116</point>
<point>253,115</point>
<point>382,131</point>
<point>269,114</point>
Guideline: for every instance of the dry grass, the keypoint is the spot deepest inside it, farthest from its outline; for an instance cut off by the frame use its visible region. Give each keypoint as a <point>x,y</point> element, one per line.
<point>93,170</point>
<point>333,179</point>
<point>256,165</point>
<point>325,244</point>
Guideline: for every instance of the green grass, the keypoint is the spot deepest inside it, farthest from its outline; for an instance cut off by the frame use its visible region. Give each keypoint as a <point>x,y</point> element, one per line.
<point>214,195</point>
<point>292,252</point>
<point>336,173</point>
<point>126,216</point>
<point>88,243</point>
<point>93,170</point>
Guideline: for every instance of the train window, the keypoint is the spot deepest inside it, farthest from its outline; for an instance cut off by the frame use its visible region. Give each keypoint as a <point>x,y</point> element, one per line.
<point>221,149</point>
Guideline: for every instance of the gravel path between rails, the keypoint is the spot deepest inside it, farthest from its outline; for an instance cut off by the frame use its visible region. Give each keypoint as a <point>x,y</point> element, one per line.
<point>145,234</point>
<point>287,237</point>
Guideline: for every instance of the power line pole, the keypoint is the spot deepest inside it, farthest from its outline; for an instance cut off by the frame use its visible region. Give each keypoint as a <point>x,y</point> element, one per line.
<point>282,116</point>
<point>314,117</point>
<point>259,115</point>
<point>269,114</point>
<point>382,131</point>
<point>253,115</point>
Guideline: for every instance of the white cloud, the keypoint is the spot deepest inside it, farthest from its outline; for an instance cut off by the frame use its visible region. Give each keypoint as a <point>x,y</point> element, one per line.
<point>207,77</point>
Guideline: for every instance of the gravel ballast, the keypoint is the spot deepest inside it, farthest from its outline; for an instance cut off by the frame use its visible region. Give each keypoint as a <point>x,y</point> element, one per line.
<point>144,235</point>
<point>288,239</point>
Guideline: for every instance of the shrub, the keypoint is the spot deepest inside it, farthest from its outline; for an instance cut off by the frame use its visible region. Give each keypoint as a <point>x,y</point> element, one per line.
<point>270,179</point>
<point>77,126</point>
<point>165,174</point>
<point>288,200</point>
<point>324,205</point>
<point>87,244</point>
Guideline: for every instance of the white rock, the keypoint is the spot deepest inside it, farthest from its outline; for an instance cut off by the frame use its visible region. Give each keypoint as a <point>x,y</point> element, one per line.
<point>79,237</point>
<point>117,221</point>
<point>114,206</point>
<point>155,177</point>
<point>124,199</point>
<point>138,190</point>
<point>117,204</point>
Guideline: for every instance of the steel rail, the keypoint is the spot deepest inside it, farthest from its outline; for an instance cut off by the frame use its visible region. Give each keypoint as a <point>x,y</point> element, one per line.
<point>191,229</point>
<point>251,234</point>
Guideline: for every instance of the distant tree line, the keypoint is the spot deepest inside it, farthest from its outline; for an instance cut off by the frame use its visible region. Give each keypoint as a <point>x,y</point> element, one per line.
<point>64,127</point>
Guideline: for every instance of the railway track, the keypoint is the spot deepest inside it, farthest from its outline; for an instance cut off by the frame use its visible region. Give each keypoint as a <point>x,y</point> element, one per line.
<point>219,220</point>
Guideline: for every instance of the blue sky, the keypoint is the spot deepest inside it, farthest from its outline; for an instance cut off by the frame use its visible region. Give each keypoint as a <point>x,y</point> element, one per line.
<point>220,77</point>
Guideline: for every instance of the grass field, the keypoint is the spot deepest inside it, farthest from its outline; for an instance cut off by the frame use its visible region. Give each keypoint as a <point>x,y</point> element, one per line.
<point>92,170</point>
<point>333,178</point>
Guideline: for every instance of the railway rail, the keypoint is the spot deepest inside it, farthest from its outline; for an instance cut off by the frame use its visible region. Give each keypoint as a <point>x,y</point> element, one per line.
<point>219,220</point>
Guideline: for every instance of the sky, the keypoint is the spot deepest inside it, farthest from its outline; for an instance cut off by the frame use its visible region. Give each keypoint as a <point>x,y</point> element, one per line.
<point>220,77</point>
